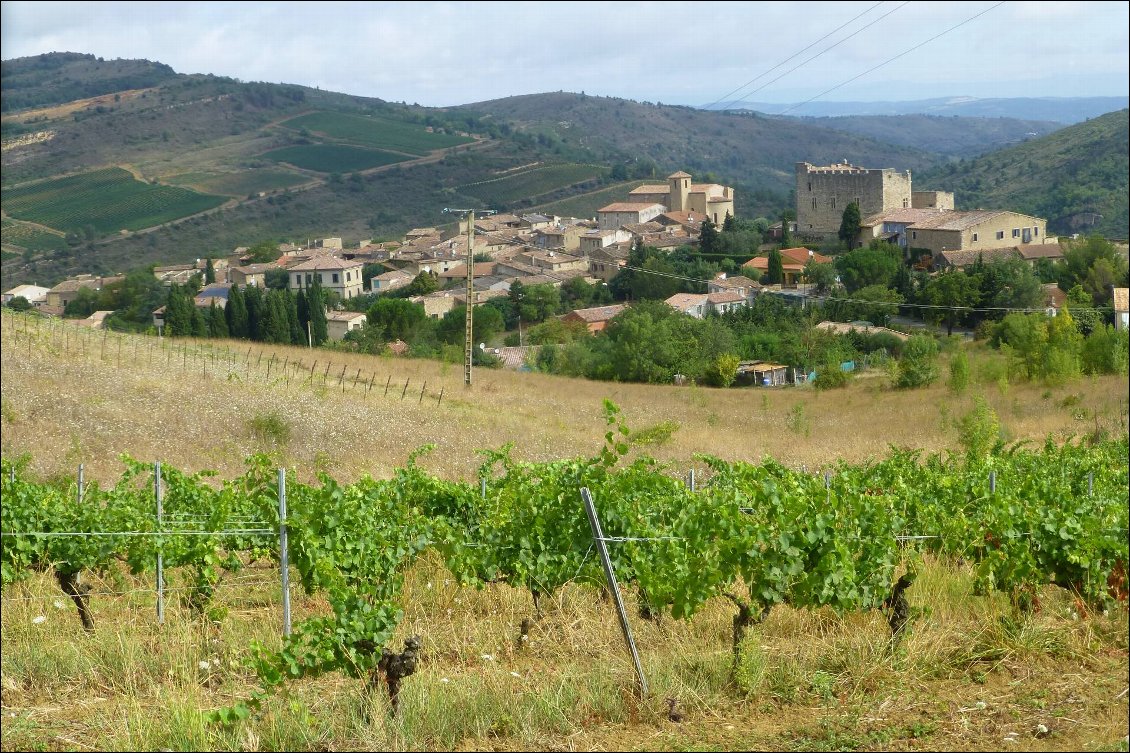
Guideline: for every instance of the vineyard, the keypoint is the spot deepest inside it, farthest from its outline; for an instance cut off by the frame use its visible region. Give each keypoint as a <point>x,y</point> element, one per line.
<point>109,200</point>
<point>332,158</point>
<point>436,613</point>
<point>376,132</point>
<point>239,184</point>
<point>531,183</point>
<point>585,205</point>
<point>28,236</point>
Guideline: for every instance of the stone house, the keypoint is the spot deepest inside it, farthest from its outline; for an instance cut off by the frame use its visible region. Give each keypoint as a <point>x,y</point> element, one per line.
<point>680,195</point>
<point>340,323</point>
<point>596,318</point>
<point>793,262</point>
<point>341,276</point>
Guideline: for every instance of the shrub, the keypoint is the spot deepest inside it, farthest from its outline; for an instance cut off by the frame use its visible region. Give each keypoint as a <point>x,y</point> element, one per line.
<point>918,366</point>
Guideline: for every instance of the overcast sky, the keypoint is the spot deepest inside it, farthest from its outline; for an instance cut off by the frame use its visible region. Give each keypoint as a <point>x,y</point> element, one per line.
<point>450,53</point>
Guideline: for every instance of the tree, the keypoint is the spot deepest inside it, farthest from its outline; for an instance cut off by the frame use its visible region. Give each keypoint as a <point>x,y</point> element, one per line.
<point>276,278</point>
<point>315,303</point>
<point>918,366</point>
<point>849,225</point>
<point>786,236</point>
<point>217,323</point>
<point>952,291</point>
<point>708,238</point>
<point>729,225</point>
<point>19,303</point>
<point>776,271</point>
<point>878,264</point>
<point>397,318</point>
<point>236,314</point>
<point>821,275</point>
<point>209,272</point>
<point>424,283</point>
<point>264,252</point>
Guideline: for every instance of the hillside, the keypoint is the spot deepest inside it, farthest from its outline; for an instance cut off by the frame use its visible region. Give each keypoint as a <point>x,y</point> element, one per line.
<point>756,152</point>
<point>1075,177</point>
<point>56,78</point>
<point>952,136</point>
<point>1065,110</point>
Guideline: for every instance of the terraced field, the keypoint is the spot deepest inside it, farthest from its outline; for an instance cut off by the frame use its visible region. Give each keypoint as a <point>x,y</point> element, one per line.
<point>109,200</point>
<point>333,158</point>
<point>375,132</point>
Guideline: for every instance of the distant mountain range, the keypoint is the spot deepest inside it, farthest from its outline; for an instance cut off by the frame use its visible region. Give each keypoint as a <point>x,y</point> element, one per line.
<point>1064,110</point>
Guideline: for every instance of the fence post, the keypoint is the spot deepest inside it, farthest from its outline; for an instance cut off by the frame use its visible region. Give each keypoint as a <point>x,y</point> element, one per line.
<point>160,555</point>
<point>387,384</point>
<point>483,486</point>
<point>992,482</point>
<point>1090,483</point>
<point>422,393</point>
<point>602,550</point>
<point>81,468</point>
<point>828,488</point>
<point>691,480</point>
<point>405,390</point>
<point>284,557</point>
<point>440,401</point>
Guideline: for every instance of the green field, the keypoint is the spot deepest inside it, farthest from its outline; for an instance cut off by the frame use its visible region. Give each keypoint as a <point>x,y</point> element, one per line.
<point>585,205</point>
<point>28,236</point>
<point>328,158</point>
<point>109,200</point>
<point>379,133</point>
<point>532,183</point>
<point>239,184</point>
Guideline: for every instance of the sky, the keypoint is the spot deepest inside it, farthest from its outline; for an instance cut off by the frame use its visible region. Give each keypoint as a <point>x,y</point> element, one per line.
<point>449,53</point>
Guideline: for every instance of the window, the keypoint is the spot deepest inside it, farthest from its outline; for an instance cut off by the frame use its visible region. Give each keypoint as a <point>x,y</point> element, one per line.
<point>1036,230</point>
<point>914,234</point>
<point>904,204</point>
<point>856,201</point>
<point>814,203</point>
<point>347,276</point>
<point>1000,234</point>
<point>335,278</point>
<point>833,202</point>
<point>975,237</point>
<point>809,185</point>
<point>308,280</point>
<point>1016,232</point>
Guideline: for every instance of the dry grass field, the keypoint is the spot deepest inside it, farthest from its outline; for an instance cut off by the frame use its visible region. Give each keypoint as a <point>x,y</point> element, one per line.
<point>971,674</point>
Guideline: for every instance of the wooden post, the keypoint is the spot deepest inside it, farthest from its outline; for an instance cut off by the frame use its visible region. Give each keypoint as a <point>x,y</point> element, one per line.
<point>405,390</point>
<point>387,384</point>
<point>602,550</point>
<point>374,376</point>
<point>422,393</point>
<point>440,401</point>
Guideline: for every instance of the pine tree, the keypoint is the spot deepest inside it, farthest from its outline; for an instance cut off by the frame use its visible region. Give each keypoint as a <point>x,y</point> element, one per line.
<point>209,272</point>
<point>199,326</point>
<point>178,313</point>
<point>729,224</point>
<point>303,315</point>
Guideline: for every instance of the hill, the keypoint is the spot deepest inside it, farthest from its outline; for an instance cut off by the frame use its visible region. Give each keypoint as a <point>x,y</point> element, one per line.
<point>1064,110</point>
<point>56,78</point>
<point>755,152</point>
<point>951,136</point>
<point>1075,177</point>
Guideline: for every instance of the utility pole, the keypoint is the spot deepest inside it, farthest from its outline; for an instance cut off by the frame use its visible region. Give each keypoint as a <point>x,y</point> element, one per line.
<point>468,340</point>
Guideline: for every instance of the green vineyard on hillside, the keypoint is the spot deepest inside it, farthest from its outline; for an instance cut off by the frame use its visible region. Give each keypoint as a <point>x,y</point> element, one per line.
<point>332,158</point>
<point>109,200</point>
<point>532,183</point>
<point>376,132</point>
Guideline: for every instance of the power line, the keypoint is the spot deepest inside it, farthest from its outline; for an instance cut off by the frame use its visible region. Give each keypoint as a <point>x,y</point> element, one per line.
<point>827,49</point>
<point>778,65</point>
<point>891,60</point>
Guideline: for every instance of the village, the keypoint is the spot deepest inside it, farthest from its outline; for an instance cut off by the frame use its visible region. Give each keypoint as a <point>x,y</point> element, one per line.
<point>516,252</point>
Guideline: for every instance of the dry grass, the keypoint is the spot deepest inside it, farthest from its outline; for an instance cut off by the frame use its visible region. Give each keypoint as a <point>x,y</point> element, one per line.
<point>67,400</point>
<point>971,675</point>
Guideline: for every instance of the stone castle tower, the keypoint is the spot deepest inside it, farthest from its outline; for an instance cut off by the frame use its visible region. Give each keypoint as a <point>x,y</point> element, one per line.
<point>823,192</point>
<point>680,191</point>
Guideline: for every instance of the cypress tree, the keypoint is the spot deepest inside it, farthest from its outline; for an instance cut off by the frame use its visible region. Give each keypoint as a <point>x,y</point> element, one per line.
<point>209,272</point>
<point>317,306</point>
<point>708,238</point>
<point>849,224</point>
<point>199,326</point>
<point>729,224</point>
<point>253,298</point>
<point>178,313</point>
<point>786,236</point>
<point>296,335</point>
<point>776,271</point>
<point>236,314</point>
<point>217,322</point>
<point>303,314</point>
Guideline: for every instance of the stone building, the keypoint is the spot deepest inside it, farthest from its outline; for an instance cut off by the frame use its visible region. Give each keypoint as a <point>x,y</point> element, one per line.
<point>823,192</point>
